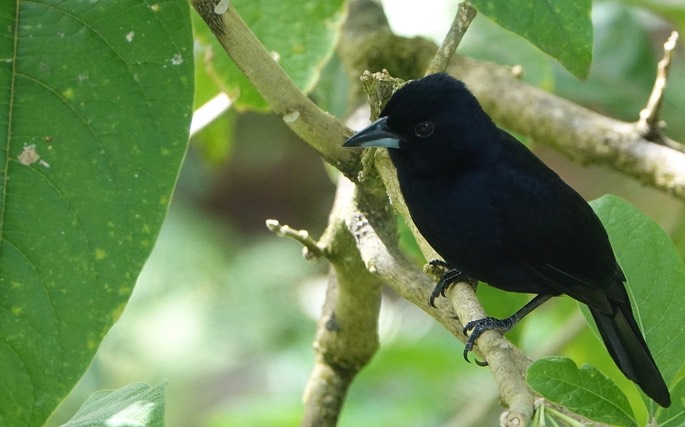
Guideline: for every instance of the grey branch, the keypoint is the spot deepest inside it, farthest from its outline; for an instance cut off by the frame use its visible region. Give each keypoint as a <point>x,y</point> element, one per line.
<point>347,336</point>
<point>462,20</point>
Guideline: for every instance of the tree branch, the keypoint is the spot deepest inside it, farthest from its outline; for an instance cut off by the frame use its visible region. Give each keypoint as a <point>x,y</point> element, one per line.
<point>347,336</point>
<point>321,130</point>
<point>462,20</point>
<point>649,125</point>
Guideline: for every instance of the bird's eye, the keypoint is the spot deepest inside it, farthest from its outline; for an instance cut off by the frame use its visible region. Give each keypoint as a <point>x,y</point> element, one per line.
<point>424,129</point>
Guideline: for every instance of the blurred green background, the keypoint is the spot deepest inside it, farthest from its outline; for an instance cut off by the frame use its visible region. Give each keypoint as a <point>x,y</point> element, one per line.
<point>227,311</point>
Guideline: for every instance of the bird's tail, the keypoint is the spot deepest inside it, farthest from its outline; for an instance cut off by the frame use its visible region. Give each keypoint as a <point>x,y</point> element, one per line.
<point>629,350</point>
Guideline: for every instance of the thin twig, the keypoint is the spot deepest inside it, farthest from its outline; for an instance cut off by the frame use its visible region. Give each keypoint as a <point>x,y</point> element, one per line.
<point>311,248</point>
<point>462,20</point>
<point>649,125</point>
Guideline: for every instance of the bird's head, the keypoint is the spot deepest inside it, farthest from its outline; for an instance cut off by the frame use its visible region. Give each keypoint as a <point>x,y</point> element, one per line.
<point>427,124</point>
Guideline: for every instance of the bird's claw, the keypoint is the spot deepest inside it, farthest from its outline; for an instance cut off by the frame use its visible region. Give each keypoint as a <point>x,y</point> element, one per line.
<point>448,278</point>
<point>478,362</point>
<point>438,291</point>
<point>477,327</point>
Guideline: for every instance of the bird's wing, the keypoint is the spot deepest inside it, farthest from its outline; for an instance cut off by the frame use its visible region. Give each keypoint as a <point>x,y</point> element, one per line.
<point>557,238</point>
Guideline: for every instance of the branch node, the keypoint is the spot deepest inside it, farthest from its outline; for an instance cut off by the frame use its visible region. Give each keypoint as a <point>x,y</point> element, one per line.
<point>221,7</point>
<point>379,87</point>
<point>434,269</point>
<point>311,247</point>
<point>291,117</point>
<point>649,126</point>
<point>517,71</point>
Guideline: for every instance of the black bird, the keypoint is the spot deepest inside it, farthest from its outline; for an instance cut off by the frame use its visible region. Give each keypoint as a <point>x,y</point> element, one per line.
<point>498,214</point>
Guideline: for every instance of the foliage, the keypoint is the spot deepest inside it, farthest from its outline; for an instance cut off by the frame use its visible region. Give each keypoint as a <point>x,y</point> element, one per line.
<point>133,405</point>
<point>563,29</point>
<point>655,273</point>
<point>96,105</point>
<point>585,391</point>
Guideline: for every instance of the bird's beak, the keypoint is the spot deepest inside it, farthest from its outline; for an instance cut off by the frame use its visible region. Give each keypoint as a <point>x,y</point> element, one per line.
<point>376,134</point>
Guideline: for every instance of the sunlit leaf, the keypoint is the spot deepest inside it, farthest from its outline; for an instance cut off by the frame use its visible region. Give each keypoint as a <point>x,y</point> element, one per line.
<point>136,405</point>
<point>585,391</point>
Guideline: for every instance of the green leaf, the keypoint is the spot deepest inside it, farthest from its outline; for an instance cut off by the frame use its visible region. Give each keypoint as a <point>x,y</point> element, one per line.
<point>301,35</point>
<point>560,28</point>
<point>585,391</point>
<point>674,416</point>
<point>95,102</point>
<point>136,405</point>
<point>655,273</point>
<point>490,42</point>
<point>622,72</point>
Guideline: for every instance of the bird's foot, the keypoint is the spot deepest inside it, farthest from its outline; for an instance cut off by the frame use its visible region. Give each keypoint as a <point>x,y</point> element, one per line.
<point>439,263</point>
<point>450,276</point>
<point>477,327</point>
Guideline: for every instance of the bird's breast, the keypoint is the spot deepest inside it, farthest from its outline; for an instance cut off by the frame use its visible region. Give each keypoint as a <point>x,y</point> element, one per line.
<point>452,213</point>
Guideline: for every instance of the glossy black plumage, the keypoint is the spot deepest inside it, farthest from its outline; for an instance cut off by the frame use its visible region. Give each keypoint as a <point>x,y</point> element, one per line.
<point>498,214</point>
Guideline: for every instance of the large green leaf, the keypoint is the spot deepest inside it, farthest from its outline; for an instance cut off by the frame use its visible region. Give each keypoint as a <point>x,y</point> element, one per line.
<point>560,28</point>
<point>656,275</point>
<point>95,102</point>
<point>300,34</point>
<point>674,416</point>
<point>585,391</point>
<point>136,405</point>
